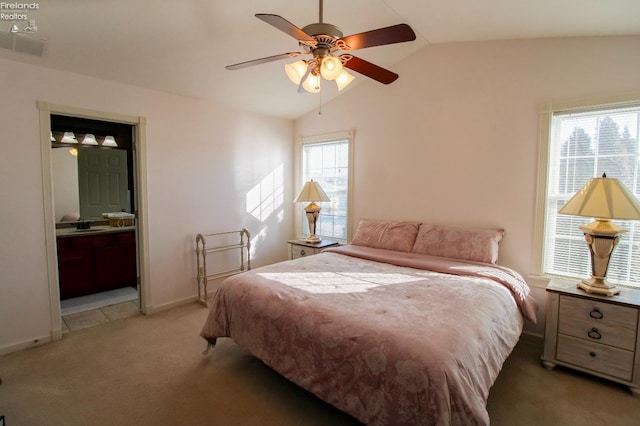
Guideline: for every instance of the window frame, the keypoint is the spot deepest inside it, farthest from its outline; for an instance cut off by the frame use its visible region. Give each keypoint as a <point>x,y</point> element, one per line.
<point>546,112</point>
<point>300,222</point>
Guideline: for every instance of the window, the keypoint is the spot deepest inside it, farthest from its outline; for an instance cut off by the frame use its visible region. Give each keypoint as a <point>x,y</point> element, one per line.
<point>585,142</point>
<point>327,160</point>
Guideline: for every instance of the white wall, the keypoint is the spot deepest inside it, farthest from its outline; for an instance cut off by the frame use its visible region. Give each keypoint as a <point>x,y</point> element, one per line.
<point>205,163</point>
<point>455,139</point>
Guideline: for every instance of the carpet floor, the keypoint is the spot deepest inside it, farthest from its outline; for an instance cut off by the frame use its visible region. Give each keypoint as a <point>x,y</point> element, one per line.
<point>149,370</point>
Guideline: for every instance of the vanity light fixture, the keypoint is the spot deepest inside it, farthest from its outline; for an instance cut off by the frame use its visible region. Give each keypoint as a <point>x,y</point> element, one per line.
<point>69,137</point>
<point>89,139</point>
<point>109,141</point>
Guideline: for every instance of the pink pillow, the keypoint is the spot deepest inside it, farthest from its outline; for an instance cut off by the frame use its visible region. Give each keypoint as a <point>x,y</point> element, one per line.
<point>479,245</point>
<point>398,236</point>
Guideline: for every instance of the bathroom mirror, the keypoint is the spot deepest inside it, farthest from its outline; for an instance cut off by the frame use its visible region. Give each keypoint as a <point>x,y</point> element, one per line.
<point>91,179</point>
<point>88,182</point>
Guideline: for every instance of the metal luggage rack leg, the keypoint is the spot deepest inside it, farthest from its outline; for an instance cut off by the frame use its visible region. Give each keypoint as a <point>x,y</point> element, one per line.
<point>244,246</point>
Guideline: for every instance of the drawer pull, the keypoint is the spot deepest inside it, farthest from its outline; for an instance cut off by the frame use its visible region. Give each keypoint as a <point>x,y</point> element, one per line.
<point>596,314</point>
<point>302,253</point>
<point>592,354</point>
<point>594,334</point>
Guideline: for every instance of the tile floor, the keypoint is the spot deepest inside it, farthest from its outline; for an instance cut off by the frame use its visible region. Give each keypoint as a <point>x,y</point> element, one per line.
<point>89,311</point>
<point>97,300</point>
<point>80,320</point>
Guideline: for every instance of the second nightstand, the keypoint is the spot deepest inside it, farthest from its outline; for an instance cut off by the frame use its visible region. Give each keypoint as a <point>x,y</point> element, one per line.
<point>300,248</point>
<point>594,334</point>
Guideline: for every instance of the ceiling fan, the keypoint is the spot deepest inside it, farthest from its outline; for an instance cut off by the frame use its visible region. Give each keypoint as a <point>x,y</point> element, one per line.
<point>323,42</point>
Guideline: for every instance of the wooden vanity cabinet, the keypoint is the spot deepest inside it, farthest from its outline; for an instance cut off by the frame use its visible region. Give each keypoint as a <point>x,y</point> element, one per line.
<point>89,264</point>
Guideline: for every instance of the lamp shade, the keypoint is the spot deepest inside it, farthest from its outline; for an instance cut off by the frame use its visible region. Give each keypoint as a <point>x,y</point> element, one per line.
<point>343,79</point>
<point>69,137</point>
<point>312,83</point>
<point>330,68</point>
<point>603,198</point>
<point>89,139</point>
<point>109,141</point>
<point>296,71</point>
<point>310,192</point>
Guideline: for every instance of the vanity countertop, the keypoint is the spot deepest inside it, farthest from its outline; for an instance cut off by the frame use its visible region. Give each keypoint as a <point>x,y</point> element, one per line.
<point>100,229</point>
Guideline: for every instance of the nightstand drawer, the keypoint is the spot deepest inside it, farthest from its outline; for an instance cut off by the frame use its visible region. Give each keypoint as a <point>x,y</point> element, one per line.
<point>599,322</point>
<point>302,248</point>
<point>597,357</point>
<point>298,251</point>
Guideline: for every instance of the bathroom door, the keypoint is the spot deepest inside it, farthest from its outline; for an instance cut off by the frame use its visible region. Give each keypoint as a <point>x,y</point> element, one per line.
<point>103,182</point>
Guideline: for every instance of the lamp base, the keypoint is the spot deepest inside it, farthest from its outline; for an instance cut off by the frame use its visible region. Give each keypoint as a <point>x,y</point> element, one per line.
<point>598,285</point>
<point>312,239</point>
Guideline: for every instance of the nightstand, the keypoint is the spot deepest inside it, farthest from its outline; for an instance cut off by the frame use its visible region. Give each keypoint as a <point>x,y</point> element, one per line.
<point>300,248</point>
<point>594,334</point>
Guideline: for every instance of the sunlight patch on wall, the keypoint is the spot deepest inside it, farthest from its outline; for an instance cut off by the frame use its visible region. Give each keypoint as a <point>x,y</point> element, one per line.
<point>337,282</point>
<point>257,239</point>
<point>267,196</point>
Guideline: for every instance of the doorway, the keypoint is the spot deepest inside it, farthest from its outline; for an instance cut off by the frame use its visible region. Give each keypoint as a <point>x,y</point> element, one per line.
<point>92,164</point>
<point>128,135</point>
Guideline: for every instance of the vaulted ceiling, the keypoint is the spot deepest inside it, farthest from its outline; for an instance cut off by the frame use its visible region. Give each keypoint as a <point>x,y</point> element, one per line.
<point>182,46</point>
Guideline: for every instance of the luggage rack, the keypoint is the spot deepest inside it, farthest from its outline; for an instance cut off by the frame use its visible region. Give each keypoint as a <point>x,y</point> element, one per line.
<point>223,244</point>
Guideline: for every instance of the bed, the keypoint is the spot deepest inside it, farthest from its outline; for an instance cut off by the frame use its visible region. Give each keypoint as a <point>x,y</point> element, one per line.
<point>386,329</point>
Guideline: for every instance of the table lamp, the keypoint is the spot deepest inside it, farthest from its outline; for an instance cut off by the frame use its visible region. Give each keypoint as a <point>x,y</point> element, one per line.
<point>602,199</point>
<point>312,192</point>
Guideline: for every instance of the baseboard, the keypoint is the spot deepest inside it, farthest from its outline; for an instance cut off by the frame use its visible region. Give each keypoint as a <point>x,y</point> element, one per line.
<point>31,343</point>
<point>531,335</point>
<point>174,304</point>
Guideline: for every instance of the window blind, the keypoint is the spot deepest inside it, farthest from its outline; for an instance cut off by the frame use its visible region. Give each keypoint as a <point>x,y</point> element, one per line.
<point>585,144</point>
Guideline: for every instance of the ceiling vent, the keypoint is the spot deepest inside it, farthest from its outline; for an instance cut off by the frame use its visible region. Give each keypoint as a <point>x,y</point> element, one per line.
<point>22,44</point>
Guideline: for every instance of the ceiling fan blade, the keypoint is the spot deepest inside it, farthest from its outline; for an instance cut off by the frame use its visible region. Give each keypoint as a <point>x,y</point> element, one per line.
<point>373,71</point>
<point>262,60</point>
<point>285,26</point>
<point>388,35</point>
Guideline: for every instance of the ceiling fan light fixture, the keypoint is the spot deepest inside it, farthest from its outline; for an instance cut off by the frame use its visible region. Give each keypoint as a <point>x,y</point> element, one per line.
<point>296,70</point>
<point>312,83</point>
<point>322,40</point>
<point>331,68</point>
<point>344,79</point>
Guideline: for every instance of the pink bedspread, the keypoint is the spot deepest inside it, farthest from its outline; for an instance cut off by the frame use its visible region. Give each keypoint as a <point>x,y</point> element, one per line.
<point>386,343</point>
